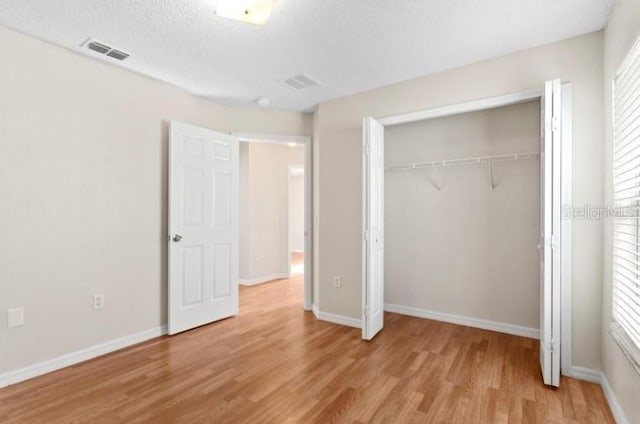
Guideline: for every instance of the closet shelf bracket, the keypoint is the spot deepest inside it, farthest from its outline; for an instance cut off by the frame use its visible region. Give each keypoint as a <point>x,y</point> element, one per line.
<point>435,179</point>
<point>491,179</point>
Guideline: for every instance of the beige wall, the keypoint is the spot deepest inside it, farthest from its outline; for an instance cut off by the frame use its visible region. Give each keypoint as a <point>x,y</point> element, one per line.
<point>244,205</point>
<point>339,166</point>
<point>264,215</point>
<point>296,213</point>
<point>619,36</point>
<point>83,183</point>
<point>467,249</point>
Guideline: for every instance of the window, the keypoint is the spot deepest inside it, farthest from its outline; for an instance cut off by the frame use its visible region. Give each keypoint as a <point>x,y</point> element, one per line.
<point>626,196</point>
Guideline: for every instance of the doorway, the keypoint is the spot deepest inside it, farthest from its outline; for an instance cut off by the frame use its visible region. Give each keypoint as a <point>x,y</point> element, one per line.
<point>271,211</point>
<point>204,222</point>
<point>555,236</point>
<point>279,182</point>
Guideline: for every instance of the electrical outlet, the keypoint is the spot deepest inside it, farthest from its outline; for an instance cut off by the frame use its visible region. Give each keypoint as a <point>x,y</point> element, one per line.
<point>98,301</point>
<point>337,282</point>
<point>15,317</point>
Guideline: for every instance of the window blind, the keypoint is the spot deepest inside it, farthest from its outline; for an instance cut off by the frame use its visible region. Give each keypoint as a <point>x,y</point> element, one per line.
<point>626,198</point>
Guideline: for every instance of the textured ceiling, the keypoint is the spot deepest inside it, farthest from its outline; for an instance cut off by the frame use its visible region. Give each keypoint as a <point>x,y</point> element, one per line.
<point>348,45</point>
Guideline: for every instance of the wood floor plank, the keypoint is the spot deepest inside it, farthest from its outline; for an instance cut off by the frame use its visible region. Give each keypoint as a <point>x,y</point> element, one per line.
<point>275,363</point>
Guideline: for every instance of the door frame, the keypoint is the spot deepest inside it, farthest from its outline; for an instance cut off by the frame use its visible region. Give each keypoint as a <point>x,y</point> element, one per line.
<point>308,199</point>
<point>566,336</point>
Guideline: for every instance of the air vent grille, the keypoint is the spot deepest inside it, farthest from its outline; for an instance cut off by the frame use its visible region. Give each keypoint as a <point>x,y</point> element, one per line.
<point>104,49</point>
<point>117,54</point>
<point>98,47</point>
<point>299,82</point>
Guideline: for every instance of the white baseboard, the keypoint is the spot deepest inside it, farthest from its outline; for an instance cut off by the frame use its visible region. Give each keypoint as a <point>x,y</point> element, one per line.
<point>263,279</point>
<point>44,367</point>
<point>582,373</point>
<point>466,321</point>
<point>336,319</point>
<point>595,376</point>
<point>616,409</point>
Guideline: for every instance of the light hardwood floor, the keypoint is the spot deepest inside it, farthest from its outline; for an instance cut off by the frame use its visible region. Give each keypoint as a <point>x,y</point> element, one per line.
<point>275,363</point>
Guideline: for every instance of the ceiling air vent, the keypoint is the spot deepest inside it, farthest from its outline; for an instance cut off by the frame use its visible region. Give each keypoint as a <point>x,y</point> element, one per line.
<point>117,54</point>
<point>299,82</point>
<point>98,47</point>
<point>103,49</point>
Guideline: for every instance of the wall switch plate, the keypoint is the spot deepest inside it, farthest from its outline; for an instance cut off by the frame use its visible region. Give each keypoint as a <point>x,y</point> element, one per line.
<point>15,317</point>
<point>98,301</point>
<point>337,282</point>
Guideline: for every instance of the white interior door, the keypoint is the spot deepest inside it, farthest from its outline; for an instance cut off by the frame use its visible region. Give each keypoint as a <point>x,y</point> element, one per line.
<point>373,266</point>
<point>203,226</point>
<point>550,208</point>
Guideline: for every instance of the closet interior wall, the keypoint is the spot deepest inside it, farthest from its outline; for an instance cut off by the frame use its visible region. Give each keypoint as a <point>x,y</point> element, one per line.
<point>467,249</point>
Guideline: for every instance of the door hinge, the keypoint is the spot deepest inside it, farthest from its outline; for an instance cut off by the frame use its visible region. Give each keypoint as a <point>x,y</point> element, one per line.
<point>366,149</point>
<point>555,123</point>
<point>366,235</point>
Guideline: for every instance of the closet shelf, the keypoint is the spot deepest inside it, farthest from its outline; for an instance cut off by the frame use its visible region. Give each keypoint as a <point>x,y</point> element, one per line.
<point>478,160</point>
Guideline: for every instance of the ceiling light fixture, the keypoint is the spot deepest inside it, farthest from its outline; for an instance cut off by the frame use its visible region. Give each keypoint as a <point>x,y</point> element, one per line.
<point>255,12</point>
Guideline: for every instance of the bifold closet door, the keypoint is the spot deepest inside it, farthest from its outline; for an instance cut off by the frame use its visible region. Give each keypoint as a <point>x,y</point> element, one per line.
<point>550,211</point>
<point>373,218</point>
<point>203,226</point>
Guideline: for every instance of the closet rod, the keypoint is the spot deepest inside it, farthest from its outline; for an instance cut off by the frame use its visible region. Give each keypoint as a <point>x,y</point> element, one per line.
<point>478,160</point>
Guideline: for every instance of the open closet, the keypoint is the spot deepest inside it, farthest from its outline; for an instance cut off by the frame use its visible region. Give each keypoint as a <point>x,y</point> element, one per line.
<point>462,208</point>
<point>462,226</point>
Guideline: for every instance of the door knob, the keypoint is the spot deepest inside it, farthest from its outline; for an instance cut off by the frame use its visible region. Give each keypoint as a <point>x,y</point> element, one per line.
<point>177,238</point>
